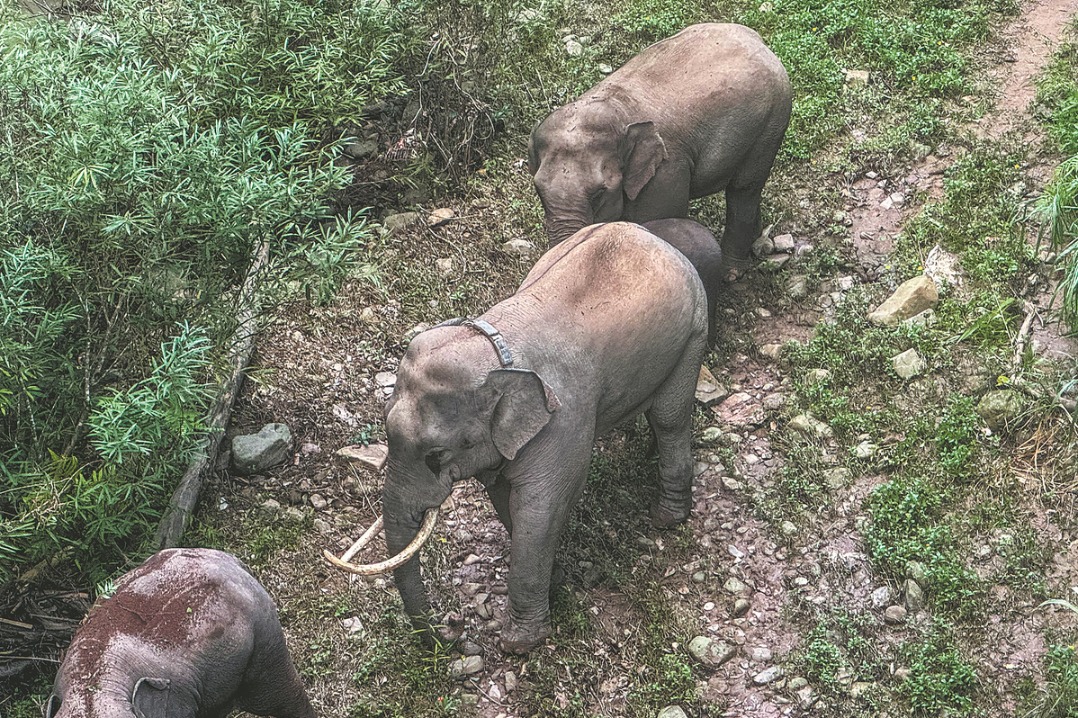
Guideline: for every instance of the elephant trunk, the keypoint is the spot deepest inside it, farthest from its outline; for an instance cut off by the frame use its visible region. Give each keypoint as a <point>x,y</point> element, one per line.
<point>560,224</point>
<point>402,517</point>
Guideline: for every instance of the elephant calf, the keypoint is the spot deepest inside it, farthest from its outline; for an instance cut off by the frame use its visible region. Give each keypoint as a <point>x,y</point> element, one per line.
<point>188,634</point>
<point>695,114</point>
<point>608,324</point>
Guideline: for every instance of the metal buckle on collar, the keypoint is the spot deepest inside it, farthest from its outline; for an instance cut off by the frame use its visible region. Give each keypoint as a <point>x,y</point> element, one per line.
<point>486,329</point>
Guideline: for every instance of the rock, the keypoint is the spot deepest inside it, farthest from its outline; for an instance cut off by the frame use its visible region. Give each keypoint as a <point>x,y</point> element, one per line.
<point>605,69</point>
<point>894,615</point>
<point>734,585</point>
<point>710,435</point>
<point>926,318</point>
<point>815,376</point>
<point>774,263</point>
<point>519,248</point>
<point>470,648</point>
<point>352,625</point>
<point>385,379</point>
<point>763,247</point>
<point>774,402</point>
<point>699,577</point>
<point>915,596</point>
<point>573,48</point>
<point>857,78</point>
<point>811,426</point>
<point>942,267</point>
<point>865,450</point>
<point>908,364</point>
<point>709,652</point>
<point>646,543</point>
<point>293,514</point>
<point>322,526</point>
<point>730,483</point>
<point>860,689</point>
<point>797,286</point>
<point>372,455</point>
<point>318,502</point>
<point>771,351</point>
<point>768,675</point>
<point>1001,408</point>
<point>797,683</point>
<point>760,654</point>
<point>783,243</point>
<point>672,712</point>
<point>444,265</point>
<point>912,297</point>
<point>271,505</point>
<point>361,149</point>
<point>741,607</point>
<point>788,528</point>
<point>255,453</point>
<point>740,410</point>
<point>396,223</point>
<point>440,216</point>
<point>708,389</point>
<point>916,570</point>
<point>881,597</point>
<point>510,681</point>
<point>464,667</point>
<point>837,478</point>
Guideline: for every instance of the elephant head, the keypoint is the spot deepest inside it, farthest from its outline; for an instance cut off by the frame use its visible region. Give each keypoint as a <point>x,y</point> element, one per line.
<point>449,419</point>
<point>149,698</point>
<point>586,162</point>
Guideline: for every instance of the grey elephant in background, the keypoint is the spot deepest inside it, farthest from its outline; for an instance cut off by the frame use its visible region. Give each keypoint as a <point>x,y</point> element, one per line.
<point>696,242</point>
<point>188,634</point>
<point>700,112</point>
<point>608,324</point>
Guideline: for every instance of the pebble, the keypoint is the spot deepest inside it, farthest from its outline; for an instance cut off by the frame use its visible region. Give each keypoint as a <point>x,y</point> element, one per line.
<point>741,607</point>
<point>915,596</point>
<point>471,559</point>
<point>467,666</point>
<point>322,526</point>
<point>730,483</point>
<point>797,683</point>
<point>768,675</point>
<point>760,654</point>
<point>710,652</point>
<point>510,681</point>
<point>788,528</point>
<point>881,597</point>
<point>894,615</point>
<point>699,577</point>
<point>672,712</point>
<point>318,501</point>
<point>734,585</point>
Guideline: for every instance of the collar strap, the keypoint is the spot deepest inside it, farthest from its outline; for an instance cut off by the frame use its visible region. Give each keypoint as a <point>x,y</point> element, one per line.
<point>486,329</point>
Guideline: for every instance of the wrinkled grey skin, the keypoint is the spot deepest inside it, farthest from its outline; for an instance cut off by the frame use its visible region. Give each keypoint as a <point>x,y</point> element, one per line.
<point>700,112</point>
<point>608,324</point>
<point>696,242</point>
<point>188,634</point>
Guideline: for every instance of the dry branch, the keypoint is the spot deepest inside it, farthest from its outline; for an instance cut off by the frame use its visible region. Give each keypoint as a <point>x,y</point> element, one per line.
<point>184,499</point>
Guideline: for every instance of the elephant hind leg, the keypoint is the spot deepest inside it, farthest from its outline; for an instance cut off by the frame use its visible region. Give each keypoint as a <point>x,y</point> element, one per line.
<point>271,685</point>
<point>742,226</point>
<point>670,417</point>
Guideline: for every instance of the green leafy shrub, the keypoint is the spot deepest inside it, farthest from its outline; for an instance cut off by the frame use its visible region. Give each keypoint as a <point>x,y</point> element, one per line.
<point>940,680</point>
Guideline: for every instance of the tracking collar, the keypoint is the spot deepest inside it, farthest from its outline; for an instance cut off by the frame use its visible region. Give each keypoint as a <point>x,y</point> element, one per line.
<point>486,329</point>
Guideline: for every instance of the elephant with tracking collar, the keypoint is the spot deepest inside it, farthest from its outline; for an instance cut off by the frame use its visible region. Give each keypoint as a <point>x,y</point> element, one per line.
<point>608,324</point>
<point>188,634</point>
<point>695,114</point>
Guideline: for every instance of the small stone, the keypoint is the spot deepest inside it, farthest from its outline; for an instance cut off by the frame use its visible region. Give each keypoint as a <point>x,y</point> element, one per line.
<point>797,286</point>
<point>943,267</point>
<point>645,543</point>
<point>710,652</point>
<point>471,588</point>
<point>815,376</point>
<point>510,681</point>
<point>708,389</point>
<point>865,450</point>
<point>271,505</point>
<point>470,648</point>
<point>730,483</point>
<point>352,625</point>
<point>837,478</point>
<point>774,263</point>
<point>372,455</point>
<point>318,502</point>
<point>760,654</point>
<point>361,149</point>
<point>810,426</point>
<point>699,577</point>
<point>605,69</point>
<point>444,265</point>
<point>916,570</point>
<point>926,318</point>
<point>672,712</point>
<point>857,78</point>
<point>881,597</point>
<point>771,351</point>
<point>396,223</point>
<point>788,528</point>
<point>797,683</point>
<point>464,667</point>
<point>734,585</point>
<point>711,434</point>
<point>471,559</point>
<point>441,216</point>
<point>915,596</point>
<point>574,48</point>
<point>912,297</point>
<point>255,453</point>
<point>1001,408</point>
<point>519,248</point>
<point>293,514</point>
<point>322,526</point>
<point>784,243</point>
<point>741,607</point>
<point>894,614</point>
<point>740,410</point>
<point>774,402</point>
<point>860,689</point>
<point>902,673</point>
<point>763,247</point>
<point>908,364</point>
<point>385,379</point>
<point>768,675</point>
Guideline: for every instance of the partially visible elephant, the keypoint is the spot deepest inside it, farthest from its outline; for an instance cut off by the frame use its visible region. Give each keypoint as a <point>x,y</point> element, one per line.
<point>188,634</point>
<point>696,242</point>
<point>608,324</point>
<point>700,112</point>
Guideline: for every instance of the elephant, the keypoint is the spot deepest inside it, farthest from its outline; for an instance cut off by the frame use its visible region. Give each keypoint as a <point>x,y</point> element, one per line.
<point>696,242</point>
<point>607,325</point>
<point>188,634</point>
<point>694,114</point>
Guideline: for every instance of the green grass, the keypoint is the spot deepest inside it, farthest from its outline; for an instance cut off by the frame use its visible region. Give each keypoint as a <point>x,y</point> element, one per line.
<point>1060,693</point>
<point>940,680</point>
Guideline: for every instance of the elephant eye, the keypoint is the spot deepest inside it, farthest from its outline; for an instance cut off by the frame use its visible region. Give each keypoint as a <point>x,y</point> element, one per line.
<point>467,444</point>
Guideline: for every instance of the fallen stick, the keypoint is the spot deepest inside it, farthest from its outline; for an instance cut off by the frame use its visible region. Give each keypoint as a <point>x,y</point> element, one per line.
<point>184,499</point>
<point>1023,336</point>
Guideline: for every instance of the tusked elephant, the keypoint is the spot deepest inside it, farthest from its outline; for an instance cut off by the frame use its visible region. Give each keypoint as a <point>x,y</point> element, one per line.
<point>188,634</point>
<point>696,242</point>
<point>608,324</point>
<point>700,112</point>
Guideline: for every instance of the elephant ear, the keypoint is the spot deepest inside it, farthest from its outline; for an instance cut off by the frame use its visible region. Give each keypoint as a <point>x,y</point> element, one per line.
<point>51,707</point>
<point>150,697</point>
<point>522,406</point>
<point>642,151</point>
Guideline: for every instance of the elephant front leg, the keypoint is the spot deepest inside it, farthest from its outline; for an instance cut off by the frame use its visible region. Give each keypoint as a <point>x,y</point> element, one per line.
<point>670,417</point>
<point>741,230</point>
<point>540,513</point>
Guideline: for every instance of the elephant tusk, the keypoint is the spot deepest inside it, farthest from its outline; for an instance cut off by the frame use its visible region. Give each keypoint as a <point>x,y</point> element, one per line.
<point>363,540</point>
<point>371,569</point>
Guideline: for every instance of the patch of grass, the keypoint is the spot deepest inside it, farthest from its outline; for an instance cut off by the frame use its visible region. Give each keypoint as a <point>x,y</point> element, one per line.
<point>940,680</point>
<point>1059,697</point>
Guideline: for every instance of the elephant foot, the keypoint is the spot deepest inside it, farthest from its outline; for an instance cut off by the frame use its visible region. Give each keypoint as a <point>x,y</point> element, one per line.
<point>441,633</point>
<point>733,268</point>
<point>518,640</point>
<point>665,515</point>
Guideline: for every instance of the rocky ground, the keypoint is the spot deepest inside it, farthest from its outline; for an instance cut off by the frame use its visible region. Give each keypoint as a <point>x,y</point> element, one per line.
<point>745,588</point>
